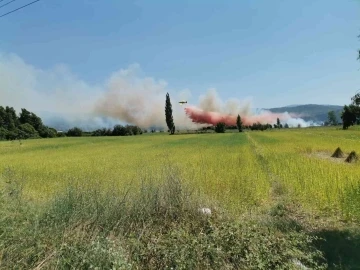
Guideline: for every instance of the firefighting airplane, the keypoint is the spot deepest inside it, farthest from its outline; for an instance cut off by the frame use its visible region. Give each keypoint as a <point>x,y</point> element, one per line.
<point>182,102</point>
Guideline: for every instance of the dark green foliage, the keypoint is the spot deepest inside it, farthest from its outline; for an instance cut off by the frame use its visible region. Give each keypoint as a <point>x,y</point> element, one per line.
<point>220,127</point>
<point>351,113</point>
<point>341,248</point>
<point>74,132</point>
<point>2,117</point>
<point>25,117</point>
<point>348,116</point>
<point>209,128</point>
<point>332,121</point>
<point>230,127</point>
<point>11,120</point>
<point>356,99</point>
<point>102,132</point>
<point>28,131</point>
<point>239,123</point>
<point>46,132</point>
<point>30,118</point>
<point>12,134</point>
<point>136,130</point>
<point>27,125</point>
<point>258,126</point>
<point>127,130</point>
<point>61,134</point>
<point>3,133</point>
<point>278,124</point>
<point>168,114</point>
<point>119,130</point>
<point>286,126</point>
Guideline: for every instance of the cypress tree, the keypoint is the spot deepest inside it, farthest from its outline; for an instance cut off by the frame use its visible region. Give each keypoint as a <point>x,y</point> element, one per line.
<point>168,115</point>
<point>239,123</point>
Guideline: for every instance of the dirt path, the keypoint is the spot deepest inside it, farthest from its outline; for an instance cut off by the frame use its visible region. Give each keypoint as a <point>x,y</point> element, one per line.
<point>277,189</point>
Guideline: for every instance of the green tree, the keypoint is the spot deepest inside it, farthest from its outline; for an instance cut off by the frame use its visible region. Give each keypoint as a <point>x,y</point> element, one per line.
<point>46,132</point>
<point>278,124</point>
<point>332,118</point>
<point>239,123</point>
<point>2,117</point>
<point>220,127</point>
<point>74,132</point>
<point>348,116</point>
<point>25,117</point>
<point>286,126</point>
<point>356,99</point>
<point>28,131</point>
<point>11,121</point>
<point>119,130</point>
<point>136,130</point>
<point>32,119</point>
<point>168,114</point>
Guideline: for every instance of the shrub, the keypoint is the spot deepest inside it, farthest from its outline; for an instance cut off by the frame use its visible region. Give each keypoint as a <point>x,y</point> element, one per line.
<point>157,226</point>
<point>220,127</point>
<point>27,131</point>
<point>46,132</point>
<point>102,132</point>
<point>74,132</point>
<point>13,134</point>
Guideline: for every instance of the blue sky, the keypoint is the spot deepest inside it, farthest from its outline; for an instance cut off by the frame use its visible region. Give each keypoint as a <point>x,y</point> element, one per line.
<point>275,52</point>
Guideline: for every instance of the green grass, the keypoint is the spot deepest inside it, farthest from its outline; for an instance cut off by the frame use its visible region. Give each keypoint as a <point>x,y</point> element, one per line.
<point>124,193</point>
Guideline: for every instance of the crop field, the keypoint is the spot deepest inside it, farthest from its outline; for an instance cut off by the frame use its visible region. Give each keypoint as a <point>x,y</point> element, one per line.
<point>240,173</point>
<point>237,170</point>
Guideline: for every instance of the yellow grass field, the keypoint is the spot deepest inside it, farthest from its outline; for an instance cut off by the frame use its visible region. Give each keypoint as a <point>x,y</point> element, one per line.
<point>237,170</point>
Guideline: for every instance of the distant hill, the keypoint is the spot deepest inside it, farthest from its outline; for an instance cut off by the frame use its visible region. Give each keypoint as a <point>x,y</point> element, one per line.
<point>310,112</point>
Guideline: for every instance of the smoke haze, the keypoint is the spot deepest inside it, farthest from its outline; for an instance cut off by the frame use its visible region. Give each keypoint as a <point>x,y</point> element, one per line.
<point>63,100</point>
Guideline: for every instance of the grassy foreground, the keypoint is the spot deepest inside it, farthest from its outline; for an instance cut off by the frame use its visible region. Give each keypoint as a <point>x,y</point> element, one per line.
<point>277,200</point>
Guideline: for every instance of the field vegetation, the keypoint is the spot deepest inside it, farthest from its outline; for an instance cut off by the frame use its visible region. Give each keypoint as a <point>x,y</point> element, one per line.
<point>278,200</point>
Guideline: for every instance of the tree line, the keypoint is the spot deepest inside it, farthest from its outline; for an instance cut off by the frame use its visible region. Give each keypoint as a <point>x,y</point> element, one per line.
<point>26,125</point>
<point>221,126</point>
<point>119,130</point>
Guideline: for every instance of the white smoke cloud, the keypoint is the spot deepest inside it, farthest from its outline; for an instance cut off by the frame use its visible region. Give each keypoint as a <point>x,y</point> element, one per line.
<point>63,100</point>
<point>211,102</point>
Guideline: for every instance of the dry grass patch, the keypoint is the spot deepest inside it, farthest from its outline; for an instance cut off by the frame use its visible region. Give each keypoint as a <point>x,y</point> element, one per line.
<point>327,156</point>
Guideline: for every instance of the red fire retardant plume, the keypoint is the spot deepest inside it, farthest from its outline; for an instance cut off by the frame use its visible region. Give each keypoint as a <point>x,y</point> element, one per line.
<point>203,117</point>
